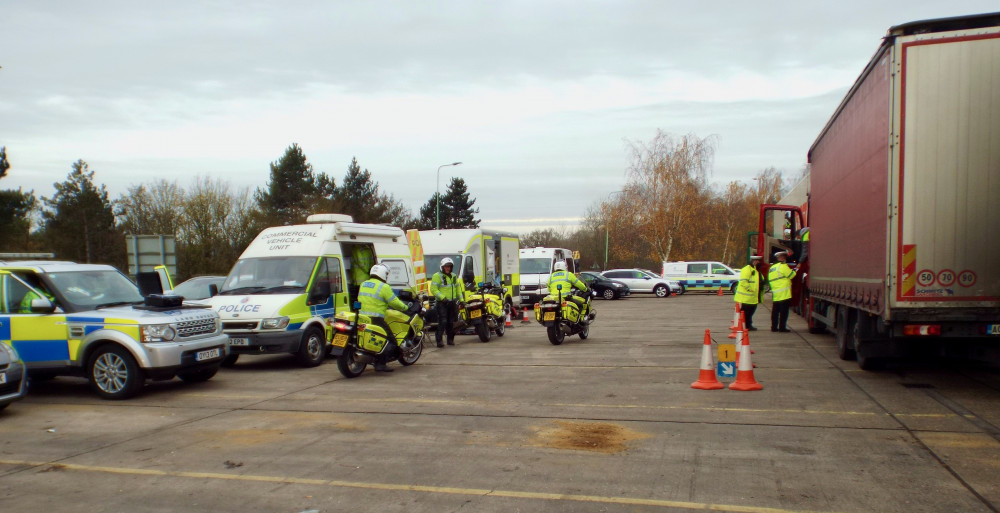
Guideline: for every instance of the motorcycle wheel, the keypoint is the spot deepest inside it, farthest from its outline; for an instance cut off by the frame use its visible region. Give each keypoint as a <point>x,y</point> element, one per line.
<point>407,358</point>
<point>556,335</point>
<point>348,365</point>
<point>501,326</point>
<point>483,331</point>
<point>585,332</point>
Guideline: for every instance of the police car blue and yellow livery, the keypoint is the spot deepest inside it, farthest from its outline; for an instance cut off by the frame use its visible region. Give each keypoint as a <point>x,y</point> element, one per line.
<point>64,318</point>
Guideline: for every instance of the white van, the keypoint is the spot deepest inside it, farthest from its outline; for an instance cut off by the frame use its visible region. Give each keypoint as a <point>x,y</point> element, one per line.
<point>701,275</point>
<point>479,256</point>
<point>286,287</point>
<point>536,266</point>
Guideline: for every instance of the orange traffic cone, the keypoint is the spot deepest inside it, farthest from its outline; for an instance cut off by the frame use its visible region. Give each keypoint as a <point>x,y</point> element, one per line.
<point>524,318</point>
<point>735,326</point>
<point>720,291</point>
<point>507,323</point>
<point>706,376</point>
<point>744,375</point>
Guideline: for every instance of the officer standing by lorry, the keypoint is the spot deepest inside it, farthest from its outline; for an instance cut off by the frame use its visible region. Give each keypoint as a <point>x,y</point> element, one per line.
<point>376,298</point>
<point>448,290</point>
<point>780,280</point>
<point>748,290</point>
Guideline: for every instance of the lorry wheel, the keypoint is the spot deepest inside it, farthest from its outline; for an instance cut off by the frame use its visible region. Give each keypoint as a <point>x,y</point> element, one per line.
<point>348,364</point>
<point>197,376</point>
<point>661,290</point>
<point>483,331</point>
<point>556,335</point>
<point>230,360</point>
<point>312,349</point>
<point>845,323</point>
<point>114,373</point>
<point>862,348</point>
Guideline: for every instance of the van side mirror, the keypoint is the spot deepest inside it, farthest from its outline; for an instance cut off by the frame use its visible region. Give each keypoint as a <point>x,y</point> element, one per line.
<point>213,290</point>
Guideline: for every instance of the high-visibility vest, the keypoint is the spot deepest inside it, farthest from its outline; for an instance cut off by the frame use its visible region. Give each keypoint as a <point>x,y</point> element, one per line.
<point>447,286</point>
<point>376,298</point>
<point>748,290</point>
<point>567,279</point>
<point>780,279</point>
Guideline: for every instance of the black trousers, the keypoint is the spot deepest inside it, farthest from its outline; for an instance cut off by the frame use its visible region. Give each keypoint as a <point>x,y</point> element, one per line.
<point>748,311</point>
<point>447,315</point>
<point>779,314</point>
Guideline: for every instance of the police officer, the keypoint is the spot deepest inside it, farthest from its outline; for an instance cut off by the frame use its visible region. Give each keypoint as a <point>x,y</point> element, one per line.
<point>569,281</point>
<point>748,290</point>
<point>376,297</point>
<point>780,280</point>
<point>448,290</point>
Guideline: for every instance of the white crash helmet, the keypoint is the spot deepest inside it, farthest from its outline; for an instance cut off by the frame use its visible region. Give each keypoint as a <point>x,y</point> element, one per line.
<point>447,261</point>
<point>379,271</point>
<point>559,266</point>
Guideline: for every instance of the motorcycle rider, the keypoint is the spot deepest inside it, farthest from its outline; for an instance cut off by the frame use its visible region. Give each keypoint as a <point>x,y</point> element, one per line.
<point>448,290</point>
<point>569,281</point>
<point>376,298</point>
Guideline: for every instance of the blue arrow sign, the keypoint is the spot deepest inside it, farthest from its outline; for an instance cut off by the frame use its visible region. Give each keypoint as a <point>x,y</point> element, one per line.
<point>726,370</point>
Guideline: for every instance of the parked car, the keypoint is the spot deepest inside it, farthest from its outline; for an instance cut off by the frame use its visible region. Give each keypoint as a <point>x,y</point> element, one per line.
<point>13,382</point>
<point>199,286</point>
<point>675,286</point>
<point>640,281</point>
<point>604,287</point>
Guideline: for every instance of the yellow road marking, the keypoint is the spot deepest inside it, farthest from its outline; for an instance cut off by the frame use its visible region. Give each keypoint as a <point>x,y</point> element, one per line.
<point>481,492</point>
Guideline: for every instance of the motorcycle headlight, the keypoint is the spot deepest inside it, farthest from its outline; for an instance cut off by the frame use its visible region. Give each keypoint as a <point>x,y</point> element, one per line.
<point>157,333</point>
<point>274,323</point>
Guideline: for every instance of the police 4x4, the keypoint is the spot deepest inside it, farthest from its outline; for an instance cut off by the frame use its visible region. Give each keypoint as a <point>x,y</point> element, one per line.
<point>65,318</point>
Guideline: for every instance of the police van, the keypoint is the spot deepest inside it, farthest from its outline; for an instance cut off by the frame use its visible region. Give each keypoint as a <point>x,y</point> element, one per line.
<point>479,256</point>
<point>536,266</point>
<point>283,292</point>
<point>701,275</point>
<point>65,318</point>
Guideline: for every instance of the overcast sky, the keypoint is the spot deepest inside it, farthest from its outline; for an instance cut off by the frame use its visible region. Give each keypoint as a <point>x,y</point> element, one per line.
<point>538,99</point>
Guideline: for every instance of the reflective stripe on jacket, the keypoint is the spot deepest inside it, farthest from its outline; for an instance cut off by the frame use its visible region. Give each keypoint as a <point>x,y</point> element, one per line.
<point>568,280</point>
<point>780,280</point>
<point>748,290</point>
<point>376,298</point>
<point>447,286</point>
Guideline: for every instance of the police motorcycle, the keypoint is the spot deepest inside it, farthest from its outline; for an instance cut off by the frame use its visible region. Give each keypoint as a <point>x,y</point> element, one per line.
<point>366,343</point>
<point>485,310</point>
<point>562,317</point>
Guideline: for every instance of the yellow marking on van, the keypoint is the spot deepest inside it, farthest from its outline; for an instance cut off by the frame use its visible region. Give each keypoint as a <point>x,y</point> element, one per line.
<point>397,487</point>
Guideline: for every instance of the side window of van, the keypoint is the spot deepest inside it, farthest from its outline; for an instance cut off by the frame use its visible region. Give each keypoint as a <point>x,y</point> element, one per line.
<point>398,274</point>
<point>698,268</point>
<point>334,275</point>
<point>469,271</point>
<point>718,269</point>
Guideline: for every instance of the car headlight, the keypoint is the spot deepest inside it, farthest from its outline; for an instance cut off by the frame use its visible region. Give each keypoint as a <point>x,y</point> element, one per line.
<point>157,333</point>
<point>10,351</point>
<point>274,323</point>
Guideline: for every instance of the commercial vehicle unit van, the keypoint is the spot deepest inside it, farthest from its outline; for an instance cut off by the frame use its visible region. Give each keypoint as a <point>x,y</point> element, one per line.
<point>65,318</point>
<point>536,266</point>
<point>479,255</point>
<point>284,290</point>
<point>701,275</point>
<point>902,203</point>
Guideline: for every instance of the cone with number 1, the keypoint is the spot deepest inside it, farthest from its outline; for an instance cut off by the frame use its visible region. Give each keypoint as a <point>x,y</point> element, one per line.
<point>706,376</point>
<point>744,374</point>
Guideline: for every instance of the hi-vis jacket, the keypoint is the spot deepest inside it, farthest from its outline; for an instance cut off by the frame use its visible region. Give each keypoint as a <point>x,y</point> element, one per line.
<point>376,298</point>
<point>780,279</point>
<point>447,286</point>
<point>748,291</point>
<point>568,281</point>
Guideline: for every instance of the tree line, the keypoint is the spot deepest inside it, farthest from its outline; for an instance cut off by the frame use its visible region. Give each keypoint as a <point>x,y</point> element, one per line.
<point>212,221</point>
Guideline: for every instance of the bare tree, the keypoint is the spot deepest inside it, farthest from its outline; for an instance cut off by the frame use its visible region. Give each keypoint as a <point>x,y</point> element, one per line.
<point>153,209</point>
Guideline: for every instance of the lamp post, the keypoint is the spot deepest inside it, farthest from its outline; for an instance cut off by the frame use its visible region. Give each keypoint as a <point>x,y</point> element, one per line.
<point>437,195</point>
<point>607,234</point>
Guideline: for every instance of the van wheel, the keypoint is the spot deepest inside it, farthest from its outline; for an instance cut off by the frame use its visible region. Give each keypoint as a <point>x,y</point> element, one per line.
<point>661,290</point>
<point>114,373</point>
<point>312,349</point>
<point>683,289</point>
<point>732,289</point>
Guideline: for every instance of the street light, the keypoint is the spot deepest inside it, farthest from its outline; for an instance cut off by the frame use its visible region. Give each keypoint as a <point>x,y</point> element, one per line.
<point>437,195</point>
<point>607,234</point>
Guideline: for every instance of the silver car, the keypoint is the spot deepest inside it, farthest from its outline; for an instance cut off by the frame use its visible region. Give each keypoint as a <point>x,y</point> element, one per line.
<point>640,281</point>
<point>13,382</point>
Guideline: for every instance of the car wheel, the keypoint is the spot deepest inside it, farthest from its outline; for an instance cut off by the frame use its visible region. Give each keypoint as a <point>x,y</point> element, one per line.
<point>114,373</point>
<point>608,294</point>
<point>197,376</point>
<point>312,349</point>
<point>661,290</point>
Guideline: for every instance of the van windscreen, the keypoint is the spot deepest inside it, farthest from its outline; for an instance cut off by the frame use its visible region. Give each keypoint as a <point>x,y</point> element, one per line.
<point>271,275</point>
<point>536,265</point>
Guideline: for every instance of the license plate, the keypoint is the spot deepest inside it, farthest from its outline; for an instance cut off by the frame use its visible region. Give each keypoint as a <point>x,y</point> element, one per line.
<point>239,341</point>
<point>993,329</point>
<point>201,356</point>
<point>525,298</point>
<point>340,340</point>
<point>549,316</point>
<point>475,313</point>
<point>3,378</point>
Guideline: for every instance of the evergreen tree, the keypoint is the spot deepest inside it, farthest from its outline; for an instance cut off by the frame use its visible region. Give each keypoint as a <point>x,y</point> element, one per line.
<point>429,213</point>
<point>456,209</point>
<point>79,222</point>
<point>15,213</point>
<point>4,165</point>
<point>293,191</point>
